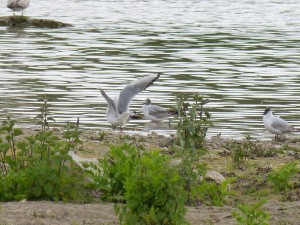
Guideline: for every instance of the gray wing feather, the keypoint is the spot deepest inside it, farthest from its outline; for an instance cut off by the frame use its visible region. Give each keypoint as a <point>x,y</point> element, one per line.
<point>133,89</point>
<point>280,124</point>
<point>158,111</point>
<point>110,102</point>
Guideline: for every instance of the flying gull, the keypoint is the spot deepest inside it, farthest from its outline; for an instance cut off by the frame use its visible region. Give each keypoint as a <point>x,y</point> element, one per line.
<point>117,112</point>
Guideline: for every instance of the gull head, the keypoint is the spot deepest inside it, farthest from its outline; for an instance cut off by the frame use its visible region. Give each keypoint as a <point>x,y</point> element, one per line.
<point>147,102</point>
<point>267,110</point>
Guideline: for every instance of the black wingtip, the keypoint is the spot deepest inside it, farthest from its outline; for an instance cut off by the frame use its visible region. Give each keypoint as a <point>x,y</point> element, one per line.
<point>154,79</point>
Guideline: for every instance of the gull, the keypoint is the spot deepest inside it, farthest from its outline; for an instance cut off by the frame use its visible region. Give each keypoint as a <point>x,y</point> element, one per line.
<point>156,113</point>
<point>274,124</point>
<point>17,5</point>
<point>117,113</point>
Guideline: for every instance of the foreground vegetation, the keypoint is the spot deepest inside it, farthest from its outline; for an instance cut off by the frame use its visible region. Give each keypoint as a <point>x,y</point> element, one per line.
<point>148,184</point>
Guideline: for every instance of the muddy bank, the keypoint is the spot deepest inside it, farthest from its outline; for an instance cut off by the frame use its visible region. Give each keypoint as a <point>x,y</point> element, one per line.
<point>23,21</point>
<point>50,213</point>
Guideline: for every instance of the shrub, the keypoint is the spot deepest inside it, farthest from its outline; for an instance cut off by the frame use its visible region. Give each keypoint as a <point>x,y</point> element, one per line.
<point>148,190</point>
<point>154,193</point>
<point>281,178</point>
<point>212,193</point>
<point>111,173</point>
<point>251,214</point>
<point>39,166</point>
<point>191,123</point>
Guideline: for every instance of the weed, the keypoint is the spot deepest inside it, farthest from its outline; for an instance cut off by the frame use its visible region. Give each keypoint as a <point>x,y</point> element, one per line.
<point>72,135</point>
<point>11,133</point>
<point>44,117</point>
<point>241,151</point>
<point>152,190</point>
<point>101,134</point>
<point>192,123</point>
<point>111,173</point>
<point>251,214</point>
<point>154,193</point>
<point>212,193</point>
<point>281,178</point>
<point>40,167</point>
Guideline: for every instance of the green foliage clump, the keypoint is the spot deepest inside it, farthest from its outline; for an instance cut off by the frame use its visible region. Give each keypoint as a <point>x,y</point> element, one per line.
<point>39,166</point>
<point>154,193</point>
<point>212,193</point>
<point>192,124</point>
<point>111,173</point>
<point>251,214</point>
<point>192,121</point>
<point>281,178</point>
<point>148,190</point>
<point>240,151</point>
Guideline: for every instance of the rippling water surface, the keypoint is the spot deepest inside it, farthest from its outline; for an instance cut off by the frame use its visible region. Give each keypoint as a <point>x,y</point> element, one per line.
<point>241,55</point>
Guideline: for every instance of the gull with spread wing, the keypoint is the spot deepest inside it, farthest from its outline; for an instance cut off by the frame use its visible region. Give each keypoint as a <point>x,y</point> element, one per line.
<point>156,113</point>
<point>118,108</point>
<point>274,124</point>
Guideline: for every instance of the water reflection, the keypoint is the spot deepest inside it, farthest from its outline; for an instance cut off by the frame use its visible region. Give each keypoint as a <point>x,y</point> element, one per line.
<point>243,56</point>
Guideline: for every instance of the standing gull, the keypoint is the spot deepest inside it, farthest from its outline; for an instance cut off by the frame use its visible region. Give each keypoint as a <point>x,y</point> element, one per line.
<point>117,112</point>
<point>155,112</point>
<point>274,124</point>
<point>17,5</point>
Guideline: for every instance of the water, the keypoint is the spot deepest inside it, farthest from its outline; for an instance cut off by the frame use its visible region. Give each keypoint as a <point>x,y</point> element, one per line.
<point>241,55</point>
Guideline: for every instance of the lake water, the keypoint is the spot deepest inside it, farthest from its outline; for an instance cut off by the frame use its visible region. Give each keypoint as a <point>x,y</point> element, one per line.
<point>241,55</point>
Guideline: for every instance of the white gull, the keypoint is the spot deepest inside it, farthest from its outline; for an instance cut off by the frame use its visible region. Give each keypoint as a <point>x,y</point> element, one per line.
<point>274,124</point>
<point>118,108</point>
<point>156,113</point>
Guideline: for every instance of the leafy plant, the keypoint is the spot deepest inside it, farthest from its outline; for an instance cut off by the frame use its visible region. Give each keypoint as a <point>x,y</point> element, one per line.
<point>212,193</point>
<point>154,193</point>
<point>44,117</point>
<point>11,133</point>
<point>40,166</point>
<point>111,173</point>
<point>149,189</point>
<point>192,123</point>
<point>241,151</point>
<point>72,135</point>
<point>251,214</point>
<point>281,178</point>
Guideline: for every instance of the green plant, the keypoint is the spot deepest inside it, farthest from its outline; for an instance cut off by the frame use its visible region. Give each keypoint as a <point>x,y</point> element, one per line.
<point>281,178</point>
<point>251,214</point>
<point>144,185</point>
<point>72,135</point>
<point>39,167</point>
<point>192,123</point>
<point>111,173</point>
<point>44,117</point>
<point>240,151</point>
<point>212,193</point>
<point>154,193</point>
<point>11,133</point>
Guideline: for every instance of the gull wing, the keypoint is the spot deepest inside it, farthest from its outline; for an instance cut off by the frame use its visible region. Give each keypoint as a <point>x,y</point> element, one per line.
<point>110,102</point>
<point>132,89</point>
<point>158,111</point>
<point>280,124</point>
